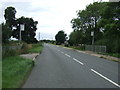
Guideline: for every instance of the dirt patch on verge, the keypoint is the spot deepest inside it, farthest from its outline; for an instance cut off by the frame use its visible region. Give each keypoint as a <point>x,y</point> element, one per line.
<point>30,56</point>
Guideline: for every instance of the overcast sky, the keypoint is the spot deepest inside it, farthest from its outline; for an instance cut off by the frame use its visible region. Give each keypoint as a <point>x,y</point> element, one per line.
<point>52,15</point>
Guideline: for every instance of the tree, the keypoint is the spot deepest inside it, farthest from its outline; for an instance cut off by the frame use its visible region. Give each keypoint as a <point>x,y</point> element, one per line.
<point>87,20</point>
<point>60,37</point>
<point>76,37</point>
<point>110,22</point>
<point>102,18</point>
<point>6,33</point>
<point>10,16</point>
<point>28,35</point>
<point>30,26</point>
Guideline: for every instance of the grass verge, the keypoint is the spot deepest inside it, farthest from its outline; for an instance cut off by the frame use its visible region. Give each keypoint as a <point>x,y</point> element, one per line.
<point>36,48</point>
<point>14,71</point>
<point>0,74</point>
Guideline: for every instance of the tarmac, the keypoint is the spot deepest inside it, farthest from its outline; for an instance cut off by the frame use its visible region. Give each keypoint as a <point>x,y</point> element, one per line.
<point>34,55</point>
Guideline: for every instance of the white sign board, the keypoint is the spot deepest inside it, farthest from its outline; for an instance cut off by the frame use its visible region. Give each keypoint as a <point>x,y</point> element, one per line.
<point>22,27</point>
<point>92,33</point>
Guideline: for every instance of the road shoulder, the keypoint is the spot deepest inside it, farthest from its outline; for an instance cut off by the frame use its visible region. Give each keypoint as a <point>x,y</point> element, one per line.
<point>97,55</point>
<point>30,55</point>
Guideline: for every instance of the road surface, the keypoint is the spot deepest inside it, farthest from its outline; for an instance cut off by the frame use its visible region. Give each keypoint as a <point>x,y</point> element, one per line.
<point>58,67</point>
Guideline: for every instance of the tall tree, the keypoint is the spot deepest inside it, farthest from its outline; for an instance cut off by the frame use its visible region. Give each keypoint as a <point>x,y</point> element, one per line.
<point>110,22</point>
<point>60,37</point>
<point>10,16</point>
<point>102,18</point>
<point>28,35</point>
<point>87,21</point>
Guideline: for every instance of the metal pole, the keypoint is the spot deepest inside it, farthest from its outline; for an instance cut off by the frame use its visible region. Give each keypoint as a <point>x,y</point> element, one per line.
<point>92,34</point>
<point>20,35</point>
<point>93,40</point>
<point>39,36</point>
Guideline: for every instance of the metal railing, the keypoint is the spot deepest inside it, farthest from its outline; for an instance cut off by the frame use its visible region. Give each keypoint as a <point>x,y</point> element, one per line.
<point>96,48</point>
<point>5,48</point>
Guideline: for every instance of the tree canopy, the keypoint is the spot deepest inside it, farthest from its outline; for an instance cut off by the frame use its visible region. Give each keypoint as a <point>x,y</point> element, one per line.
<point>10,16</point>
<point>12,25</point>
<point>104,19</point>
<point>29,33</point>
<point>60,37</point>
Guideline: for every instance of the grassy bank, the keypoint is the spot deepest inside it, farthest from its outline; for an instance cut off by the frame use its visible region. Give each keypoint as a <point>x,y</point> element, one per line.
<point>36,48</point>
<point>14,71</point>
<point>112,54</point>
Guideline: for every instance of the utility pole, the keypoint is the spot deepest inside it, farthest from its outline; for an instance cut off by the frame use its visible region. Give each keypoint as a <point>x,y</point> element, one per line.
<point>92,34</point>
<point>39,36</point>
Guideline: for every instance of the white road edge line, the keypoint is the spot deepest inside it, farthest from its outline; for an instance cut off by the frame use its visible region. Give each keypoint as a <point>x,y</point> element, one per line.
<point>34,59</point>
<point>78,61</point>
<point>106,78</point>
<point>67,55</point>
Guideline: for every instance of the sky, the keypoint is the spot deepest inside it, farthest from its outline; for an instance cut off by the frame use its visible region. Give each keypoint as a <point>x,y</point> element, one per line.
<point>52,15</point>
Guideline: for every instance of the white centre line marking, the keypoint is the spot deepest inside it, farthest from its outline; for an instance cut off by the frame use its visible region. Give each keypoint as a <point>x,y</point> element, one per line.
<point>78,61</point>
<point>58,50</point>
<point>106,78</point>
<point>62,52</point>
<point>67,55</point>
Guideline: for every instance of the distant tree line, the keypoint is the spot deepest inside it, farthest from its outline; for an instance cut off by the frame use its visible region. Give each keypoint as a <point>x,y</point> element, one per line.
<point>12,27</point>
<point>48,41</point>
<point>103,18</point>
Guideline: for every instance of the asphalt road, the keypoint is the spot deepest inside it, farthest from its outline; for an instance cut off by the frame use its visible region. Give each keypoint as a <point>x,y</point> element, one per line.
<point>58,67</point>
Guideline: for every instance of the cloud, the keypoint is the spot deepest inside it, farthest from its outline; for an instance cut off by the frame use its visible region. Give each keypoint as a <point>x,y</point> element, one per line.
<point>52,15</point>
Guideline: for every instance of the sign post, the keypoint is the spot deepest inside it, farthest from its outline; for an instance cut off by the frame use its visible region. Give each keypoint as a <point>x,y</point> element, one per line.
<point>21,29</point>
<point>92,34</point>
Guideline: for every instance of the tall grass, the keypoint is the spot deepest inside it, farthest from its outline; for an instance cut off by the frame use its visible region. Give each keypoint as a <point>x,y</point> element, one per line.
<point>14,71</point>
<point>14,67</point>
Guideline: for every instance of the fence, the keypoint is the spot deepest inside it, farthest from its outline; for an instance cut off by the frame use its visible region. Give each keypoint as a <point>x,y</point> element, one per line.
<point>96,48</point>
